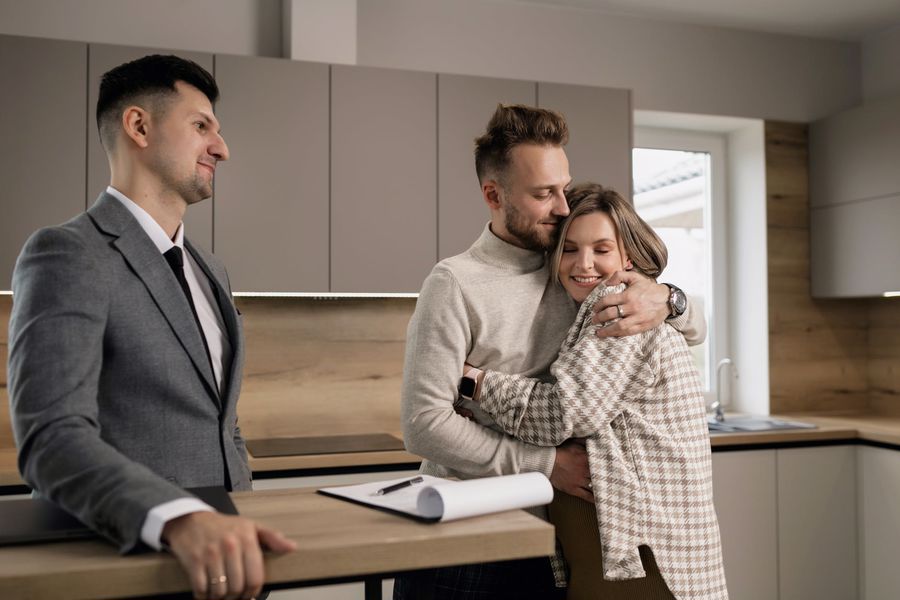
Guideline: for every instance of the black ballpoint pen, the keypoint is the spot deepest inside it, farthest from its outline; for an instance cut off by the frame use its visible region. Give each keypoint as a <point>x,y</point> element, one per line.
<point>399,486</point>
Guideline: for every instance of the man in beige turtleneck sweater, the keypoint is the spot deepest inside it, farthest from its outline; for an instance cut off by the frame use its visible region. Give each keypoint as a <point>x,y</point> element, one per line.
<point>494,306</point>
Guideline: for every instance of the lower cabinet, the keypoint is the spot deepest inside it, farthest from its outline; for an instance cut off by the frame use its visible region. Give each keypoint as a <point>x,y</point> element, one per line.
<point>879,523</point>
<point>745,494</point>
<point>817,524</point>
<point>788,521</point>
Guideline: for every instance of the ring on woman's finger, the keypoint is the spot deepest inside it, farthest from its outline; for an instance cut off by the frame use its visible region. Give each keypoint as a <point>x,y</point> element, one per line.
<point>620,311</point>
<point>220,579</point>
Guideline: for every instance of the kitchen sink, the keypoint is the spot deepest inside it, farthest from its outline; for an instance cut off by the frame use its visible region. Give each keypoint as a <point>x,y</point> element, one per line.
<point>750,423</point>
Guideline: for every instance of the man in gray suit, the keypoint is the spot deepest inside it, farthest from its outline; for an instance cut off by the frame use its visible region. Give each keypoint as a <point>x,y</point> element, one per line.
<point>125,348</point>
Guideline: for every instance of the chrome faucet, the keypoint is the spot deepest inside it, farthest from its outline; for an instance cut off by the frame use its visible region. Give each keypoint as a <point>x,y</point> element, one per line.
<point>717,405</point>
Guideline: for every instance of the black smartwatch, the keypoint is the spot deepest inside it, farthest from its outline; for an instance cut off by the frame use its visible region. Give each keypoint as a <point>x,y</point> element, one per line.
<point>677,301</point>
<point>469,383</point>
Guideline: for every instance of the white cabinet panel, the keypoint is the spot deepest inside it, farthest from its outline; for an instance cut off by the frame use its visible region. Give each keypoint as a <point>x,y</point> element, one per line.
<point>383,179</point>
<point>817,523</point>
<point>744,484</point>
<point>854,248</point>
<point>271,219</point>
<point>879,523</point>
<point>853,155</point>
<point>42,125</point>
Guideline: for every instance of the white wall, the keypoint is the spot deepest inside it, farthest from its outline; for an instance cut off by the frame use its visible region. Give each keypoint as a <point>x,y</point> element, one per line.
<point>251,27</point>
<point>749,291</point>
<point>881,64</point>
<point>669,66</point>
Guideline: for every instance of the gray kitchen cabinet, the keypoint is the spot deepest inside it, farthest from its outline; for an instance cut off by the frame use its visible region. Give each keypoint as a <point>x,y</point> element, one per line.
<point>879,522</point>
<point>600,128</point>
<point>465,105</point>
<point>745,494</point>
<point>42,124</point>
<point>853,154</point>
<point>102,58</point>
<point>854,247</point>
<point>817,523</point>
<point>855,201</point>
<point>271,217</point>
<point>383,179</point>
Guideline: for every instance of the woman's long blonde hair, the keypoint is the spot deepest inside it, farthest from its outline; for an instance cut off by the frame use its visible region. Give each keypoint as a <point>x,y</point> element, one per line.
<point>643,247</point>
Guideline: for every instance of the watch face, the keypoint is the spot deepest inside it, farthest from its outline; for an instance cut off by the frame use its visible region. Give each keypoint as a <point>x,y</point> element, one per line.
<point>466,387</point>
<point>679,301</point>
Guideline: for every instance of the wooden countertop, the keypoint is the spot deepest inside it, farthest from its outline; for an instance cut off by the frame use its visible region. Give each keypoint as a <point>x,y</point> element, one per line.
<point>335,539</point>
<point>870,427</point>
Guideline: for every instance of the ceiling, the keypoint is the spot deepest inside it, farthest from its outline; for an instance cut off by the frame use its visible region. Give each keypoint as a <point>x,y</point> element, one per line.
<point>849,20</point>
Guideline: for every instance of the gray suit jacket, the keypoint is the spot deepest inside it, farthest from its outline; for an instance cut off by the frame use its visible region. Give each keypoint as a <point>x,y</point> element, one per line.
<point>113,400</point>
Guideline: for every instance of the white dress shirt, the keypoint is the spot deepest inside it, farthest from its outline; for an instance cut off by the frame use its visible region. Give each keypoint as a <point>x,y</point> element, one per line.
<point>214,331</point>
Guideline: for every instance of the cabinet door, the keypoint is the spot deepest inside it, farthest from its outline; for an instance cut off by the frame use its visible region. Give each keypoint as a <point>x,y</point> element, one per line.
<point>102,58</point>
<point>879,523</point>
<point>42,125</point>
<point>853,154</point>
<point>745,491</point>
<point>383,179</point>
<point>465,105</point>
<point>599,122</point>
<point>854,247</point>
<point>271,218</point>
<point>817,523</point>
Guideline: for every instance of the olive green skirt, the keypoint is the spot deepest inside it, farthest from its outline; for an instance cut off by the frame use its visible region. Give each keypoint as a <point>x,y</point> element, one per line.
<point>576,528</point>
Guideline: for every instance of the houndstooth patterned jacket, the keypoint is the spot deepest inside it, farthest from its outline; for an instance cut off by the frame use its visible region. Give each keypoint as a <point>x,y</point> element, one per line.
<point>638,402</point>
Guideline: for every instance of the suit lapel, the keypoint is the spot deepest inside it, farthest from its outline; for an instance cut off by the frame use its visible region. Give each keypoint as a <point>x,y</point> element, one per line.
<point>229,316</point>
<point>150,266</point>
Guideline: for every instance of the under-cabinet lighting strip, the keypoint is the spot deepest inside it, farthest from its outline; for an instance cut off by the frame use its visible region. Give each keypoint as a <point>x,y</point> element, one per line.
<point>311,295</point>
<point>324,295</point>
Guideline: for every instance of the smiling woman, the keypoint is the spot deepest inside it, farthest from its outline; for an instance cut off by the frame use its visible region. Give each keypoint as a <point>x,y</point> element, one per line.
<point>603,234</point>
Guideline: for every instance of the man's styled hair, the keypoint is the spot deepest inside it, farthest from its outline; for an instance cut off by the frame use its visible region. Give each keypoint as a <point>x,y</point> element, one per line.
<point>643,246</point>
<point>147,81</point>
<point>511,125</point>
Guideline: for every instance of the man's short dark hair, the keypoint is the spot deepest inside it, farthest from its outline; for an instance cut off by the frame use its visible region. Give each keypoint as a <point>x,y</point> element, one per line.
<point>147,80</point>
<point>511,125</point>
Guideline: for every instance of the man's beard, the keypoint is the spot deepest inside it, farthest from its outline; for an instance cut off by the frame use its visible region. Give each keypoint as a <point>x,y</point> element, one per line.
<point>530,236</point>
<point>192,189</point>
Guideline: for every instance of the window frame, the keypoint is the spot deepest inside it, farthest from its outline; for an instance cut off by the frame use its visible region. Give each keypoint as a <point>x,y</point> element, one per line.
<point>715,145</point>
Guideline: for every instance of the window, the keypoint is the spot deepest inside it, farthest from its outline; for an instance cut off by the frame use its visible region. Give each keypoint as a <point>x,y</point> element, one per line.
<point>679,189</point>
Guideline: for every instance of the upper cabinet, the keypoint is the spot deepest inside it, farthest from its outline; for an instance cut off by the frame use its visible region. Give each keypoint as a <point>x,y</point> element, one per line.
<point>465,104</point>
<point>383,179</point>
<point>102,58</point>
<point>855,202</point>
<point>340,178</point>
<point>42,125</point>
<point>271,218</point>
<point>599,120</point>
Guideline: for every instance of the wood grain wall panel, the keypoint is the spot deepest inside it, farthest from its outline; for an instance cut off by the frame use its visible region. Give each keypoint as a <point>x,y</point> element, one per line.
<point>321,367</point>
<point>817,348</point>
<point>884,355</point>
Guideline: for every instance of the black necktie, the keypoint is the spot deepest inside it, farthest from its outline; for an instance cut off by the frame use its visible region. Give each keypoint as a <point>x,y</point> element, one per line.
<point>176,260</point>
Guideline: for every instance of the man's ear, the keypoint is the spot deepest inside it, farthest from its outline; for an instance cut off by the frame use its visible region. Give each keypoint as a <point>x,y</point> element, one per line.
<point>490,189</point>
<point>135,125</point>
